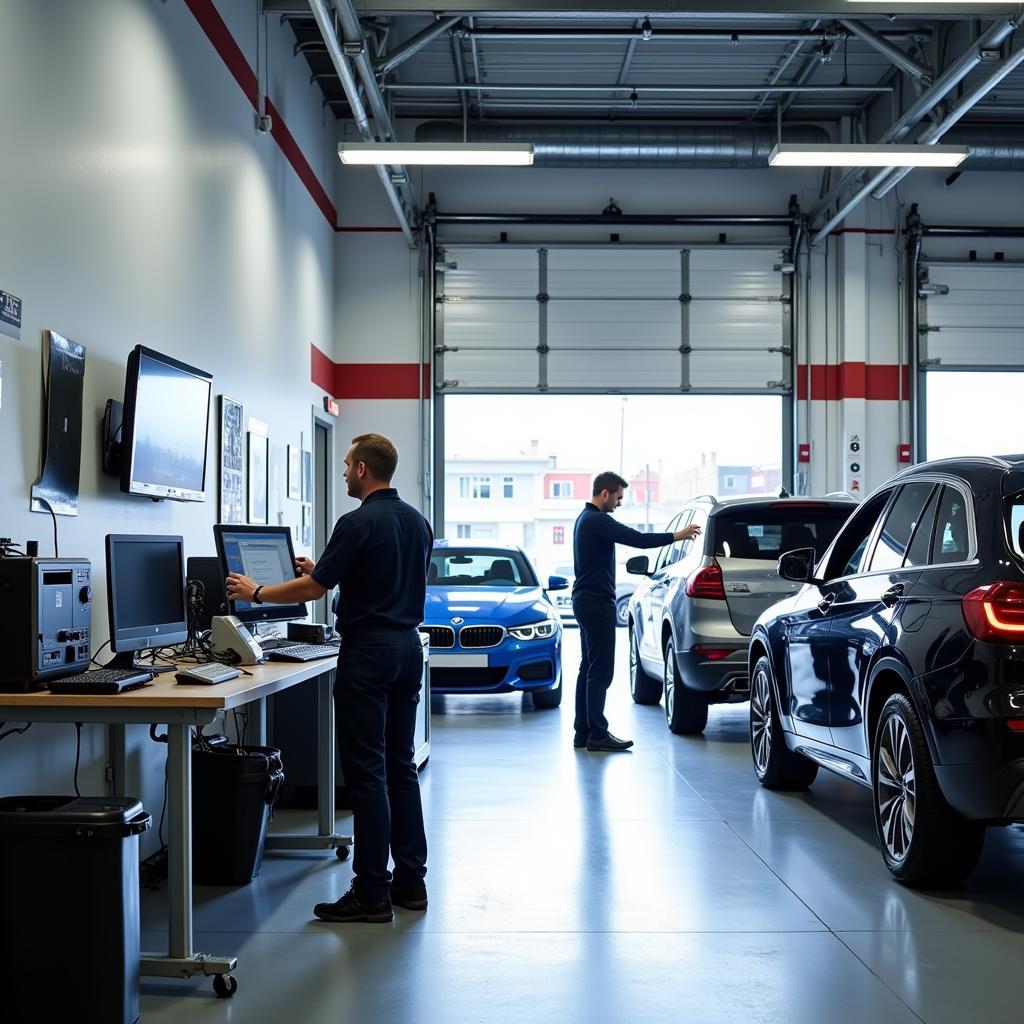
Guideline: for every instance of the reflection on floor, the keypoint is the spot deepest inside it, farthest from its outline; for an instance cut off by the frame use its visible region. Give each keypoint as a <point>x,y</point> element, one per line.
<point>663,884</point>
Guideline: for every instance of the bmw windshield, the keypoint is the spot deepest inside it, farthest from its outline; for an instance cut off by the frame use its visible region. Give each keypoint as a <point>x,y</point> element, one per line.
<point>479,567</point>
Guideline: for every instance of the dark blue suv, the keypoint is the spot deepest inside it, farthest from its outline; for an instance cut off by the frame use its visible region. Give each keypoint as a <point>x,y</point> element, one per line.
<point>900,664</point>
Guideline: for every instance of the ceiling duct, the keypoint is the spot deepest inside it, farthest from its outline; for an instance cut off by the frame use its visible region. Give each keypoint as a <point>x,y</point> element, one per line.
<point>737,147</point>
<point>992,148</point>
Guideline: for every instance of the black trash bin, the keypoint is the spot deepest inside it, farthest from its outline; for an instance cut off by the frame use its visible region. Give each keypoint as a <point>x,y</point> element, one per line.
<point>234,789</point>
<point>69,908</point>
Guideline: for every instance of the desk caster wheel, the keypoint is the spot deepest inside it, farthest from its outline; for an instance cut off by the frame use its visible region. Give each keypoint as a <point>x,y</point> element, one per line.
<point>342,852</point>
<point>225,985</point>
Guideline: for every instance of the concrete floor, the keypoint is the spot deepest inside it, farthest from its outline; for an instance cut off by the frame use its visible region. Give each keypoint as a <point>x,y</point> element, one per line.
<point>663,884</point>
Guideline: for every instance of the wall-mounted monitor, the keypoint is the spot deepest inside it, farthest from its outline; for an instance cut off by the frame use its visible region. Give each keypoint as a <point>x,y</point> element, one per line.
<point>266,554</point>
<point>164,427</point>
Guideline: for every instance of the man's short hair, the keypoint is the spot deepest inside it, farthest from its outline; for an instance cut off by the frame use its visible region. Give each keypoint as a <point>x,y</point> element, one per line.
<point>608,482</point>
<point>379,454</point>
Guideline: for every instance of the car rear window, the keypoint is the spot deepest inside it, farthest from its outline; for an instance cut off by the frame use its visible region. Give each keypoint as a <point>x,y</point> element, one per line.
<point>1015,523</point>
<point>768,532</point>
<point>464,567</point>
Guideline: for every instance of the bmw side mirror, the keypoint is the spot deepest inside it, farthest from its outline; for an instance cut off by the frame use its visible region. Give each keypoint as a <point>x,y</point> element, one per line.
<point>639,565</point>
<point>798,566</point>
<point>558,583</point>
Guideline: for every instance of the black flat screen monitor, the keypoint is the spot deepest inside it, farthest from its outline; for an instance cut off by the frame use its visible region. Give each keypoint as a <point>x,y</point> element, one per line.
<point>164,427</point>
<point>145,594</point>
<point>266,554</point>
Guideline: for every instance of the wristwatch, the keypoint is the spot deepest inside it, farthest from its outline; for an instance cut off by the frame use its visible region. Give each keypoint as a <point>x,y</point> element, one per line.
<point>256,599</point>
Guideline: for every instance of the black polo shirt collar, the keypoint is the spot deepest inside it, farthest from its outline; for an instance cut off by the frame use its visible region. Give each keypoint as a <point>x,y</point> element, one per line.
<point>385,492</point>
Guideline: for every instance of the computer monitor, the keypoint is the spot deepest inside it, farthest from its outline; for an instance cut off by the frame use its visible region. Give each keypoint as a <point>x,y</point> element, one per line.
<point>145,595</point>
<point>266,554</point>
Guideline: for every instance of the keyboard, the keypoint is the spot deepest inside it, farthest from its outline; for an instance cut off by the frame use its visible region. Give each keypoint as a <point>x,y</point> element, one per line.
<point>275,643</point>
<point>303,652</point>
<point>214,672</point>
<point>101,680</point>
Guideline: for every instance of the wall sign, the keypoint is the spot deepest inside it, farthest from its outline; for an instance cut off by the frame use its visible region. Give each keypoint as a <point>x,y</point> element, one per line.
<point>855,459</point>
<point>10,314</point>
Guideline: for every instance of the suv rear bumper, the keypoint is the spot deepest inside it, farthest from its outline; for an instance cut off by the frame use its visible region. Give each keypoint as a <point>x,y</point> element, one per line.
<point>728,677</point>
<point>984,792</point>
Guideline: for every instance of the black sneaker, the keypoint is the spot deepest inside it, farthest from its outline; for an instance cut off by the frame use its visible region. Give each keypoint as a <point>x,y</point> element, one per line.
<point>413,898</point>
<point>610,743</point>
<point>351,908</point>
<point>579,740</point>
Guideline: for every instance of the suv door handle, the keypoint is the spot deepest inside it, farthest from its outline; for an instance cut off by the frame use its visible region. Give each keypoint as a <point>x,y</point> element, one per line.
<point>826,603</point>
<point>893,594</point>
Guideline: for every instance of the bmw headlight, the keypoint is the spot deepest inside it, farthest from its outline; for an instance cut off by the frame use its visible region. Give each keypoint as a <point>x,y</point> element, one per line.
<point>543,630</point>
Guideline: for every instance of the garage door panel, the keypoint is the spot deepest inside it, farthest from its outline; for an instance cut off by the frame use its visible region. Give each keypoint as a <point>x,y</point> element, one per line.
<point>738,371</point>
<point>736,324</point>
<point>610,324</point>
<point>492,272</point>
<point>492,324</point>
<point>626,369</point>
<point>735,273</point>
<point>618,273</point>
<point>973,347</point>
<point>476,370</point>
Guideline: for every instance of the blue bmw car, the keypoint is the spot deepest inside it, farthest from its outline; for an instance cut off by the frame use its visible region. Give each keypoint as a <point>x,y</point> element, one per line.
<point>492,626</point>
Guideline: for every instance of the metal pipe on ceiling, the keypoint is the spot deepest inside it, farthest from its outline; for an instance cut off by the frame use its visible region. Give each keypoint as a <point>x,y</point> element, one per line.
<point>733,36</point>
<point>962,107</point>
<point>619,145</point>
<point>745,90</point>
<point>934,94</point>
<point>413,45</point>
<point>326,25</point>
<point>665,220</point>
<point>902,60</point>
<point>971,231</point>
<point>777,74</point>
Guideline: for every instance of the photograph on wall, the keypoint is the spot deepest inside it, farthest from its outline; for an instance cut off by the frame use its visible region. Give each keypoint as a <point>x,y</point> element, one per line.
<point>307,476</point>
<point>307,526</point>
<point>232,461</point>
<point>294,473</point>
<point>257,478</point>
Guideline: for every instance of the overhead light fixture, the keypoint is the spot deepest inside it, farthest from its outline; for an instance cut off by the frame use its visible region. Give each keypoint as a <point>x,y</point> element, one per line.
<point>443,154</point>
<point>788,154</point>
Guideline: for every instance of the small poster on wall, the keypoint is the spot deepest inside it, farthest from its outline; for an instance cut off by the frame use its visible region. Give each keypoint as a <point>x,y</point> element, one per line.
<point>232,461</point>
<point>307,476</point>
<point>258,457</point>
<point>294,473</point>
<point>307,526</point>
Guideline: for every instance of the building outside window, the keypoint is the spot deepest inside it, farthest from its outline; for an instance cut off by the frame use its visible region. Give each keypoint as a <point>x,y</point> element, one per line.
<point>561,488</point>
<point>557,534</point>
<point>475,487</point>
<point>508,487</point>
<point>464,531</point>
<point>729,483</point>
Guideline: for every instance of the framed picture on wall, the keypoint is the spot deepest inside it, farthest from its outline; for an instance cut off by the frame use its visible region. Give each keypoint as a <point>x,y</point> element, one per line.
<point>307,526</point>
<point>294,473</point>
<point>231,508</point>
<point>307,476</point>
<point>258,452</point>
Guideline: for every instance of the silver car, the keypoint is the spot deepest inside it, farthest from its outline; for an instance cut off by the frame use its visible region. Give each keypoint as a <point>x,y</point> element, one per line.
<point>690,620</point>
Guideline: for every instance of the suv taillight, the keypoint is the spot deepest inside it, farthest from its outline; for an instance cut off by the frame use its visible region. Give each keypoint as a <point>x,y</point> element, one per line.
<point>996,612</point>
<point>706,582</point>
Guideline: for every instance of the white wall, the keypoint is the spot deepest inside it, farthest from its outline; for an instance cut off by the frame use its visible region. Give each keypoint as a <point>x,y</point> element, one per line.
<point>140,205</point>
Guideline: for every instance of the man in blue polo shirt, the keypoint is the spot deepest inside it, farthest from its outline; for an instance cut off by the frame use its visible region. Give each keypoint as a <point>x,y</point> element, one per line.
<point>593,603</point>
<point>378,555</point>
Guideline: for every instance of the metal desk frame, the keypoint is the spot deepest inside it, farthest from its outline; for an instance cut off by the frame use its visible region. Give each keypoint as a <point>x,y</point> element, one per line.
<point>182,961</point>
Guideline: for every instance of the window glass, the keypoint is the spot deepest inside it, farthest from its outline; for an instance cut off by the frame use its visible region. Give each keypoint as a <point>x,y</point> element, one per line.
<point>848,553</point>
<point>920,545</point>
<point>1015,520</point>
<point>952,540</point>
<point>508,487</point>
<point>479,567</point>
<point>766,532</point>
<point>899,526</point>
<point>664,553</point>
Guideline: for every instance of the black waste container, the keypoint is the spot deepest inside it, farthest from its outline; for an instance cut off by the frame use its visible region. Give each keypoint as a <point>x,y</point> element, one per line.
<point>69,908</point>
<point>234,789</point>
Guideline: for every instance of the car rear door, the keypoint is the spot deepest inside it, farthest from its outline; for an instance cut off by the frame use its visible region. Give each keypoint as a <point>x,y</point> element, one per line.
<point>866,607</point>
<point>652,600</point>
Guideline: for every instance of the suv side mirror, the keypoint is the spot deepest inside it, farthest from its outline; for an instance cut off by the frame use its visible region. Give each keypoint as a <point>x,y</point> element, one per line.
<point>639,565</point>
<point>558,583</point>
<point>798,566</point>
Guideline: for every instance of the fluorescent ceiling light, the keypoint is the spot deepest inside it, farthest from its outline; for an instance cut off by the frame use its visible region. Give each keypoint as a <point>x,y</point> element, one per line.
<point>787,154</point>
<point>449,154</point>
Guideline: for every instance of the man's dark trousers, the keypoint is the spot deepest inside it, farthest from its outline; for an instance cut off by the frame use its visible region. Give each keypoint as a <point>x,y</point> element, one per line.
<point>375,695</point>
<point>596,619</point>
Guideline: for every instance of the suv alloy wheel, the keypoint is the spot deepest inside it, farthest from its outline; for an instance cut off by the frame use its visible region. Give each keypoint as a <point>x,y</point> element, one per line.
<point>775,765</point>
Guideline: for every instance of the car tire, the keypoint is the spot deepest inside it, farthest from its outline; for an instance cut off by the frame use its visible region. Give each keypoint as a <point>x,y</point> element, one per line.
<point>622,612</point>
<point>548,698</point>
<point>686,710</point>
<point>644,688</point>
<point>775,765</point>
<point>924,841</point>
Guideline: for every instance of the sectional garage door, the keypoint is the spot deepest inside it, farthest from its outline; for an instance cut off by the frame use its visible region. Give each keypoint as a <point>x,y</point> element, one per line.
<point>972,316</point>
<point>591,320</point>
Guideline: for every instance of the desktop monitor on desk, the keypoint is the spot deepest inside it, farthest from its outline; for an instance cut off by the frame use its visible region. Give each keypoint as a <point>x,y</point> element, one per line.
<point>145,595</point>
<point>266,554</point>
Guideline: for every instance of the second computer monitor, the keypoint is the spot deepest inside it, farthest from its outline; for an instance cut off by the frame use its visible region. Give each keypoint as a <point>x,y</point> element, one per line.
<point>266,554</point>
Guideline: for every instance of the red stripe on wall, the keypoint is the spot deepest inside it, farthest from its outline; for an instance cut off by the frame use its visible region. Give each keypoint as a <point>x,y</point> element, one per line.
<point>218,33</point>
<point>833,383</point>
<point>356,381</point>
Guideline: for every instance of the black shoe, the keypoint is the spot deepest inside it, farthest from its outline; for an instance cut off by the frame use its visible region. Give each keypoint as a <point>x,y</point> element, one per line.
<point>413,898</point>
<point>351,908</point>
<point>609,743</point>
<point>580,739</point>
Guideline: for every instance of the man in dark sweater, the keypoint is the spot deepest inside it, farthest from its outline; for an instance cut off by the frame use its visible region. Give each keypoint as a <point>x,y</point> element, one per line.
<point>593,602</point>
